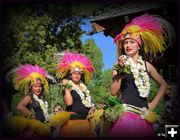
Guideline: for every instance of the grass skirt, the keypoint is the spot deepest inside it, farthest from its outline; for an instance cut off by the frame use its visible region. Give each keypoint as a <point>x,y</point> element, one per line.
<point>25,127</point>
<point>76,128</point>
<point>131,125</point>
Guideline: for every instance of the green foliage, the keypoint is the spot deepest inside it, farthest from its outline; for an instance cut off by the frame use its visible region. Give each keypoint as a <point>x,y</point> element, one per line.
<point>99,90</point>
<point>111,114</point>
<point>91,50</point>
<point>27,40</point>
<point>106,80</point>
<point>15,100</point>
<point>113,109</point>
<point>112,101</point>
<point>122,70</point>
<point>36,33</point>
<point>160,109</point>
<point>63,87</point>
<point>55,96</point>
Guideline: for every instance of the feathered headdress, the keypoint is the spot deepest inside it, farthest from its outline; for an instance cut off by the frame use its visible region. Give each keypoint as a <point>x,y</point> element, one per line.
<point>152,32</point>
<point>75,62</point>
<point>27,75</point>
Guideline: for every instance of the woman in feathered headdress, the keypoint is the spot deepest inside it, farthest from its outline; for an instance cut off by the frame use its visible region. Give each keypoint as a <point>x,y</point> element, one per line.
<point>79,69</point>
<point>131,75</point>
<point>32,81</point>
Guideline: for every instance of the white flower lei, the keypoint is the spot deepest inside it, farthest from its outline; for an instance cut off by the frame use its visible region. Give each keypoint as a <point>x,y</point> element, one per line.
<point>43,105</point>
<point>85,98</point>
<point>140,75</point>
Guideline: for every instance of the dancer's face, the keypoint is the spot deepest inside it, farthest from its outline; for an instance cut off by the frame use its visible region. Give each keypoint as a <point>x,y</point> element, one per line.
<point>76,76</point>
<point>37,89</point>
<point>131,47</point>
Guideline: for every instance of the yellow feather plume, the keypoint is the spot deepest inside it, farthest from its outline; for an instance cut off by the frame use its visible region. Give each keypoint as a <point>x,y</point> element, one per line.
<point>17,122</point>
<point>59,119</point>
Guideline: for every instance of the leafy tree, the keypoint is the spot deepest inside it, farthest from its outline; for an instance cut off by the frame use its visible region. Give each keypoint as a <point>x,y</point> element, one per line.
<point>38,33</point>
<point>101,79</point>
<point>101,91</point>
<point>55,96</point>
<point>26,40</point>
<point>15,100</point>
<point>91,50</point>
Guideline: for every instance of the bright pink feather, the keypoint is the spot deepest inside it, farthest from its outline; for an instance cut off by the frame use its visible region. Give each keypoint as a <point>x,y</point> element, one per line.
<point>71,57</point>
<point>145,22</point>
<point>27,69</point>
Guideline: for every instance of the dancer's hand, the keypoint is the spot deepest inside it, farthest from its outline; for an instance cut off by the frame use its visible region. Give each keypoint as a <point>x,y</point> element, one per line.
<point>122,60</point>
<point>64,81</point>
<point>150,106</point>
<point>92,110</point>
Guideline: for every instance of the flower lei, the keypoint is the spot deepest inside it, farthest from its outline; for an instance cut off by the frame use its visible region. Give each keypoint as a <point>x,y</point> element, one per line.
<point>43,105</point>
<point>141,78</point>
<point>140,75</point>
<point>85,98</point>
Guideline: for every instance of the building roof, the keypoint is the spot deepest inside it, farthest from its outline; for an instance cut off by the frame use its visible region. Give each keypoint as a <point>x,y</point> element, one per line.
<point>112,21</point>
<point>125,10</point>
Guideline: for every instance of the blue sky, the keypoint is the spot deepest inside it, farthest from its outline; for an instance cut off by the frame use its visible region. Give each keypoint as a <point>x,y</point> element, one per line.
<point>105,44</point>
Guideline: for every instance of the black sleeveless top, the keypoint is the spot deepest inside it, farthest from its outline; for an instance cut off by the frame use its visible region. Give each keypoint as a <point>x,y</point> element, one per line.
<point>37,109</point>
<point>130,93</point>
<point>77,107</point>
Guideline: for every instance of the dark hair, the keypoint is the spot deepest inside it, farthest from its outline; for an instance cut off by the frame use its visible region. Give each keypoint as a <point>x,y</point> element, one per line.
<point>83,77</point>
<point>143,54</point>
<point>123,51</point>
<point>141,51</point>
<point>67,76</point>
<point>31,92</point>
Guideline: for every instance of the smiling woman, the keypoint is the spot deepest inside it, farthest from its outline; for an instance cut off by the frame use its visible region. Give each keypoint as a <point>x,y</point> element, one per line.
<point>32,81</point>
<point>77,97</point>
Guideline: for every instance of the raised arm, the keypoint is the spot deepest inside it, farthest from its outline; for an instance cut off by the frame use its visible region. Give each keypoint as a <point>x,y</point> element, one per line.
<point>162,83</point>
<point>116,83</point>
<point>116,78</point>
<point>67,95</point>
